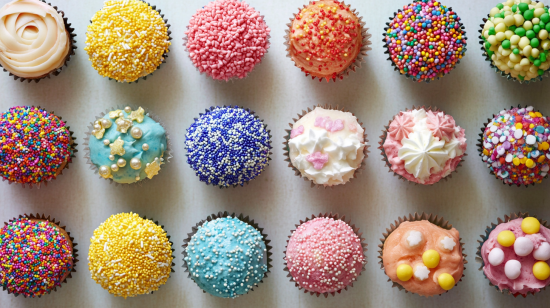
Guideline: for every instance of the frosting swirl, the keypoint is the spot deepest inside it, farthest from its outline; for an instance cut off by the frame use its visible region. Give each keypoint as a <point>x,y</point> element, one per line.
<point>33,39</point>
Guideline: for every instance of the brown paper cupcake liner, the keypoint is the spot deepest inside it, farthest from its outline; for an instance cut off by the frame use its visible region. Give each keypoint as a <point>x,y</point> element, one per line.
<point>286,147</point>
<point>438,221</point>
<point>335,217</point>
<point>74,250</point>
<point>242,218</point>
<point>67,163</point>
<point>484,238</point>
<point>495,68</point>
<point>206,111</point>
<point>354,65</point>
<point>480,150</point>
<point>71,52</point>
<point>167,153</point>
<point>410,77</point>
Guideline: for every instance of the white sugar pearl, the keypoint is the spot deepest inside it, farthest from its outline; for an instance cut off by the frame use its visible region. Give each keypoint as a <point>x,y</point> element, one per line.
<point>543,252</point>
<point>496,257</point>
<point>523,246</point>
<point>518,133</point>
<point>512,269</point>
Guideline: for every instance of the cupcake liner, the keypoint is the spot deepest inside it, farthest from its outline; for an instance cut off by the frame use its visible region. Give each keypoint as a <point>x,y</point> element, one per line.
<point>242,218</point>
<point>335,217</point>
<point>413,78</point>
<point>75,254</point>
<point>167,153</point>
<point>67,163</point>
<point>255,116</point>
<point>438,221</point>
<point>72,48</point>
<point>171,245</point>
<point>496,69</point>
<point>480,150</point>
<point>354,65</point>
<point>488,230</point>
<point>385,157</point>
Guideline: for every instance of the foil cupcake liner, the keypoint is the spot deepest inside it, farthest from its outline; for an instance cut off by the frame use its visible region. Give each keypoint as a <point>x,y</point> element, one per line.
<point>495,68</point>
<point>480,150</point>
<point>167,153</point>
<point>413,78</point>
<point>484,238</point>
<point>67,163</point>
<point>186,39</point>
<point>438,221</point>
<point>286,147</point>
<point>71,52</point>
<point>71,239</point>
<point>206,111</point>
<point>335,217</point>
<point>354,65</point>
<point>385,157</point>
<point>242,218</point>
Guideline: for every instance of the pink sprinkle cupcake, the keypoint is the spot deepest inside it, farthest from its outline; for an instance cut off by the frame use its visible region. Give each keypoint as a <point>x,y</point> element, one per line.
<point>226,39</point>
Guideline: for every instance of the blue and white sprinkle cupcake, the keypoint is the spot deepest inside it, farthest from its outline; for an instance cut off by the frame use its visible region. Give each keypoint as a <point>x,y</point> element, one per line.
<point>228,146</point>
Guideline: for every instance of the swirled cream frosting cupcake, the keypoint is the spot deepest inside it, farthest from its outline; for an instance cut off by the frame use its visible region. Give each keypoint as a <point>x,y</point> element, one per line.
<point>34,40</point>
<point>327,146</point>
<point>423,146</point>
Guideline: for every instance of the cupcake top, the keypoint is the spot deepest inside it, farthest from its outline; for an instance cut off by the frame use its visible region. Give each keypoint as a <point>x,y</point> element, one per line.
<point>327,146</point>
<point>324,255</point>
<point>127,146</point>
<point>238,39</point>
<point>515,146</point>
<point>126,40</point>
<point>228,146</point>
<point>423,258</point>
<point>227,257</point>
<point>516,254</point>
<point>130,255</point>
<point>33,39</point>
<point>35,145</point>
<point>325,38</point>
<point>425,40</point>
<point>424,146</point>
<point>35,256</point>
<point>516,38</point>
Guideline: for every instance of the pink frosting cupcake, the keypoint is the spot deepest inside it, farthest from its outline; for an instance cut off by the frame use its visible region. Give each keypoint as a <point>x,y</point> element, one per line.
<point>423,145</point>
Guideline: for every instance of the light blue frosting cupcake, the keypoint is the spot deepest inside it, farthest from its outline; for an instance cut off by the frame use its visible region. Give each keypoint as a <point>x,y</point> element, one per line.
<point>127,146</point>
<point>227,257</point>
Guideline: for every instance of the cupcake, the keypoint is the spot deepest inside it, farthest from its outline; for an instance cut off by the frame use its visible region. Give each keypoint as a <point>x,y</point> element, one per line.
<point>35,146</point>
<point>127,40</point>
<point>326,146</point>
<point>327,40</point>
<point>227,256</point>
<point>127,146</point>
<point>238,39</point>
<point>425,40</point>
<point>423,145</point>
<point>228,146</point>
<point>36,41</point>
<point>514,145</point>
<point>130,255</point>
<point>514,255</point>
<point>325,255</point>
<point>515,40</point>
<point>423,255</point>
<point>37,255</point>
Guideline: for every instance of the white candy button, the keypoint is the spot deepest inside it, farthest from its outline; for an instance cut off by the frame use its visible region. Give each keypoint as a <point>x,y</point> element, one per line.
<point>496,256</point>
<point>543,252</point>
<point>530,139</point>
<point>512,269</point>
<point>523,246</point>
<point>518,133</point>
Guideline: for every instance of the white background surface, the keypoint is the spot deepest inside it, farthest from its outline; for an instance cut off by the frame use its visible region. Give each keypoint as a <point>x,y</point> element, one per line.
<point>277,91</point>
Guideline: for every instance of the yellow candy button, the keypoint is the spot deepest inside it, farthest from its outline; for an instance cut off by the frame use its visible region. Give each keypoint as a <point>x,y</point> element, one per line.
<point>530,225</point>
<point>541,270</point>
<point>545,146</point>
<point>404,272</point>
<point>530,163</point>
<point>531,114</point>
<point>446,281</point>
<point>430,258</point>
<point>538,114</point>
<point>506,238</point>
<point>519,125</point>
<point>541,159</point>
<point>516,161</point>
<point>523,160</point>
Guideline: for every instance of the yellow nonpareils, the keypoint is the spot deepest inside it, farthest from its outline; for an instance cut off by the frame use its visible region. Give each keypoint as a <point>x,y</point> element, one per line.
<point>130,255</point>
<point>126,40</point>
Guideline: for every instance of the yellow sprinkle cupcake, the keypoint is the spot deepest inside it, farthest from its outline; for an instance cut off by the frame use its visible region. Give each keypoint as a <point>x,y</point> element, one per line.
<point>130,255</point>
<point>127,40</point>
